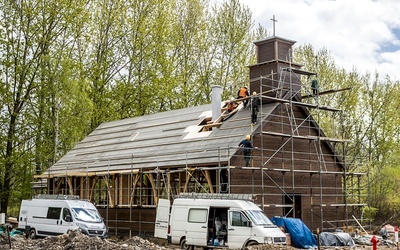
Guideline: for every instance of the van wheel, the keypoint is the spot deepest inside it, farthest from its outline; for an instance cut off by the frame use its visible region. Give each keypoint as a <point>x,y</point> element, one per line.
<point>251,243</point>
<point>32,234</point>
<point>185,246</point>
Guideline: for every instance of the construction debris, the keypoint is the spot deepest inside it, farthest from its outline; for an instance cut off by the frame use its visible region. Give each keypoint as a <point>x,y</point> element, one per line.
<point>77,240</point>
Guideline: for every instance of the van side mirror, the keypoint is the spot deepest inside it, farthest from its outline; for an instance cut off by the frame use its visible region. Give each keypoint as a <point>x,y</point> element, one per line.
<point>68,218</point>
<point>247,223</point>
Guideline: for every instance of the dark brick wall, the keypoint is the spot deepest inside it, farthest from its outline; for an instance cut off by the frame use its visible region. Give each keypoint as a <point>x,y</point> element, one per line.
<point>277,178</point>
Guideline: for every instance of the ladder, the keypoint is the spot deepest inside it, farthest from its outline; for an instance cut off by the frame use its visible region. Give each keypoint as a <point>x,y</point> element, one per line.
<point>56,197</point>
<point>319,152</point>
<point>292,120</point>
<point>248,197</point>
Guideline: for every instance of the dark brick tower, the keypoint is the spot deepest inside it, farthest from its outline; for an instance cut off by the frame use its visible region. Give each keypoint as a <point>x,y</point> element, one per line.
<point>274,74</point>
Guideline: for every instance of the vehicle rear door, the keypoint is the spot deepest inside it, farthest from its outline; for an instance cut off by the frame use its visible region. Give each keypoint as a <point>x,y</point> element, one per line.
<point>162,218</point>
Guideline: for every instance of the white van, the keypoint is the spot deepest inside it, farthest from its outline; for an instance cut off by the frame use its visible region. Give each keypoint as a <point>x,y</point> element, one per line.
<point>215,220</point>
<point>49,215</point>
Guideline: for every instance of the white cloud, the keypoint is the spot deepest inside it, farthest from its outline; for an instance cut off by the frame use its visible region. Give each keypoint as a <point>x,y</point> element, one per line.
<point>359,33</point>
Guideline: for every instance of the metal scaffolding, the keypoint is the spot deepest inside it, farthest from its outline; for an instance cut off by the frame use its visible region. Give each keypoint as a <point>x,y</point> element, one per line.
<point>127,197</point>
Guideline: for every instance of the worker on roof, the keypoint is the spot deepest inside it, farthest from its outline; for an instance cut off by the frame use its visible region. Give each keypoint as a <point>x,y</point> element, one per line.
<point>242,93</point>
<point>314,87</point>
<point>231,105</point>
<point>247,148</point>
<point>255,106</point>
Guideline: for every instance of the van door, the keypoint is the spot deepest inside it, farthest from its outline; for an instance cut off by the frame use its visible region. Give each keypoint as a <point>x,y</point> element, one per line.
<point>66,222</point>
<point>197,227</point>
<point>239,229</point>
<point>162,218</point>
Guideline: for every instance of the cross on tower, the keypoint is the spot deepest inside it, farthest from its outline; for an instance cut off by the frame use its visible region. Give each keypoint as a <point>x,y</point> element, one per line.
<point>273,23</point>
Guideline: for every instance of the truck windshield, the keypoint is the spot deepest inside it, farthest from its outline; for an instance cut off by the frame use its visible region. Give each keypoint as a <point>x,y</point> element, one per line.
<point>259,218</point>
<point>86,215</point>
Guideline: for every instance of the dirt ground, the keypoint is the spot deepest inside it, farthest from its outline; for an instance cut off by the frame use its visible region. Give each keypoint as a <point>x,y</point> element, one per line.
<point>76,240</point>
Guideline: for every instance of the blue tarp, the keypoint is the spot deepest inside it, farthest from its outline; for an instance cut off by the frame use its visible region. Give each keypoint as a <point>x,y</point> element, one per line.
<point>12,233</point>
<point>300,235</point>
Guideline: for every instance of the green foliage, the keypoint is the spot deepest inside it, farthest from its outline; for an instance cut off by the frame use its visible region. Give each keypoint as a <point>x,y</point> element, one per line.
<point>33,43</point>
<point>370,120</point>
<point>369,213</point>
<point>69,66</point>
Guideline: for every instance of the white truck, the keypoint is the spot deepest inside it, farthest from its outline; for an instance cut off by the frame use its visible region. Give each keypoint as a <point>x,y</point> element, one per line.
<point>215,221</point>
<point>49,215</point>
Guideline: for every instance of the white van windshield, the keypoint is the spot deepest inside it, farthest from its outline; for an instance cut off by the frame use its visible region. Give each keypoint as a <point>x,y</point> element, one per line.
<point>259,218</point>
<point>86,215</point>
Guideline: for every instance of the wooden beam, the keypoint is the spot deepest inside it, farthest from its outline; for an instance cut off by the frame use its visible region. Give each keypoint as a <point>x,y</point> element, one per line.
<point>43,176</point>
<point>153,187</point>
<point>306,137</point>
<point>300,71</point>
<point>120,187</point>
<point>114,187</point>
<point>91,191</point>
<point>208,178</point>
<point>217,124</point>
<point>59,181</point>
<point>81,184</point>
<point>110,196</point>
<point>70,186</point>
<point>326,92</point>
<point>188,175</point>
<point>303,104</point>
<point>159,191</point>
<point>168,185</point>
<point>134,185</point>
<point>180,179</point>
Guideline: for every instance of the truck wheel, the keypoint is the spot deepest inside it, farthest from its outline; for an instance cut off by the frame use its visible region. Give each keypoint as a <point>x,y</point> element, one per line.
<point>185,246</point>
<point>32,234</point>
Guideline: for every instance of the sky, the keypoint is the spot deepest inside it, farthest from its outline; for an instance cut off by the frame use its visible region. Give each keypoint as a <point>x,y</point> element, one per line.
<point>360,34</point>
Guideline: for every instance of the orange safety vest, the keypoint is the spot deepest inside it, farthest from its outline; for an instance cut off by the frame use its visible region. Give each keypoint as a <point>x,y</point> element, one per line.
<point>230,106</point>
<point>242,92</point>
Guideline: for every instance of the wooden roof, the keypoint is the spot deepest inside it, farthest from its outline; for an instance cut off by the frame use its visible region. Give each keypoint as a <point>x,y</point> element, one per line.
<point>166,139</point>
<point>179,138</point>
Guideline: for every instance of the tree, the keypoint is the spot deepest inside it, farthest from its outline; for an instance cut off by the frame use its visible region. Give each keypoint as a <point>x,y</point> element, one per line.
<point>370,119</point>
<point>101,58</point>
<point>232,39</point>
<point>29,31</point>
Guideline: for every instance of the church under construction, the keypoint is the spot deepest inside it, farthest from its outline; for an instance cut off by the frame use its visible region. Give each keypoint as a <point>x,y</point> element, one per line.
<point>126,166</point>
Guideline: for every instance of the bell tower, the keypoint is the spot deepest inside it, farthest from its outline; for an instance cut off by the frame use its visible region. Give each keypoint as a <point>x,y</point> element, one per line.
<point>274,74</point>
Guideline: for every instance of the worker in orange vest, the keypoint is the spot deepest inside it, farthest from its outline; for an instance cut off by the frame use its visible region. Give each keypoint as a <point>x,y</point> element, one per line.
<point>242,93</point>
<point>231,105</point>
